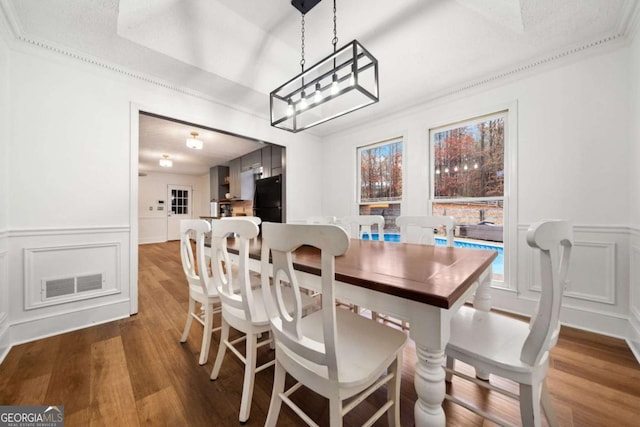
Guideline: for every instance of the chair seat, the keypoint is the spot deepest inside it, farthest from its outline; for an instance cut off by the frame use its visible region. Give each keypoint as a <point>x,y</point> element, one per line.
<point>236,316</point>
<point>357,367</point>
<point>489,337</point>
<point>196,292</point>
<point>196,288</point>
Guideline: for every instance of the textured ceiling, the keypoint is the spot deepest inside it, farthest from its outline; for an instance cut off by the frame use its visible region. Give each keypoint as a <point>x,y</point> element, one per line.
<point>236,52</point>
<point>159,136</point>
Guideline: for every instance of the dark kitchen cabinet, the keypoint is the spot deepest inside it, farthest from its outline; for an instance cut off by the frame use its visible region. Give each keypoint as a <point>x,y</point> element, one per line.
<point>218,182</point>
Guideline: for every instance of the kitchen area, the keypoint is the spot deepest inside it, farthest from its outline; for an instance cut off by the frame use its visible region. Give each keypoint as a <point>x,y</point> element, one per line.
<point>250,185</point>
<point>188,171</point>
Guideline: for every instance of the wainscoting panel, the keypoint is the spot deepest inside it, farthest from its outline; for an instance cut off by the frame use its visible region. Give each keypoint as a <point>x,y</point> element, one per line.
<point>597,293</point>
<point>5,336</point>
<point>66,279</point>
<point>55,275</point>
<point>633,334</point>
<point>591,273</point>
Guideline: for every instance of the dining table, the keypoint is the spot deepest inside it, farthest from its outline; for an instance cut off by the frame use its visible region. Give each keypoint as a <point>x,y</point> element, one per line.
<point>422,284</point>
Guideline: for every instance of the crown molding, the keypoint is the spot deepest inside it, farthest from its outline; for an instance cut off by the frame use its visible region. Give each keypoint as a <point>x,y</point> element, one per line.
<point>627,29</point>
<point>629,24</point>
<point>9,25</point>
<point>559,58</point>
<point>19,40</point>
<point>22,42</point>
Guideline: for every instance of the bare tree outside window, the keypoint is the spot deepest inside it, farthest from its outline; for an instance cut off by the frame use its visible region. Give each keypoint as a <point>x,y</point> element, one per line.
<point>468,181</point>
<point>380,180</point>
<point>469,160</point>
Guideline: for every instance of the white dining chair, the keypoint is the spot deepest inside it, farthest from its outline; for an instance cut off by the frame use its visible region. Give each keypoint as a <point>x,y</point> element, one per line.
<point>510,348</point>
<point>242,303</point>
<point>421,229</point>
<point>321,220</point>
<point>357,226</point>
<point>255,219</point>
<point>199,292</point>
<point>338,354</point>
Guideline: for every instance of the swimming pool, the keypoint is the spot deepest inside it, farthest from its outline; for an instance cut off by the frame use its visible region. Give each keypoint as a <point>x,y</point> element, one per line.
<point>498,263</point>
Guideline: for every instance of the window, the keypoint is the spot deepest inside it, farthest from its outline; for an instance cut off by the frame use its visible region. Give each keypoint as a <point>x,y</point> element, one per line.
<point>180,202</point>
<point>380,180</point>
<point>468,181</point>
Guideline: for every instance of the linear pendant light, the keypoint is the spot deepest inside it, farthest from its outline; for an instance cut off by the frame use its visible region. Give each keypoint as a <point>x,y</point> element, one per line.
<point>344,81</point>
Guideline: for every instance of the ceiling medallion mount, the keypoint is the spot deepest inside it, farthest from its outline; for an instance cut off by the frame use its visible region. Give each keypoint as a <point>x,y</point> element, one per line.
<point>344,81</point>
<point>304,6</point>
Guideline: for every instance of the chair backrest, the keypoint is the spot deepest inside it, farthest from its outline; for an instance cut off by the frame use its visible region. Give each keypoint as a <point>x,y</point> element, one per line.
<point>188,227</point>
<point>321,220</point>
<point>221,271</point>
<point>359,225</point>
<point>420,229</point>
<point>255,219</point>
<point>280,240</point>
<point>553,239</point>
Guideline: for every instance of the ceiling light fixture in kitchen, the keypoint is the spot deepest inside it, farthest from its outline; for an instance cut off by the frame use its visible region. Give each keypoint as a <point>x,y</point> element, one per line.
<point>194,142</point>
<point>165,162</point>
<point>344,81</point>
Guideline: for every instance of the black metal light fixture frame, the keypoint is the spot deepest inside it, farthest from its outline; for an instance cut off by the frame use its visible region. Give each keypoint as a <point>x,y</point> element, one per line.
<point>342,82</point>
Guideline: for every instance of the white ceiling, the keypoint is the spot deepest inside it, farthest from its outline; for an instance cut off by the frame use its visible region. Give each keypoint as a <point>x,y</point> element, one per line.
<point>236,52</point>
<point>160,136</point>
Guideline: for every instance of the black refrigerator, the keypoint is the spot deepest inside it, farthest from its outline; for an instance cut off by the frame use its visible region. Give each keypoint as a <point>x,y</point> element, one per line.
<point>267,199</point>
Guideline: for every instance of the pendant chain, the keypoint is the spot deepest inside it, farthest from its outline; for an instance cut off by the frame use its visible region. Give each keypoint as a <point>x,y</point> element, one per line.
<point>302,42</point>
<point>335,30</point>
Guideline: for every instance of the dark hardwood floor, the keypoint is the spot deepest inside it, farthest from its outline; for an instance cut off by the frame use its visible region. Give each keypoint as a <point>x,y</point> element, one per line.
<point>135,372</point>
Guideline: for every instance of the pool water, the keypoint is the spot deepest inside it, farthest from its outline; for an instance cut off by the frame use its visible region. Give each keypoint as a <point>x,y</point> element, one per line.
<point>498,263</point>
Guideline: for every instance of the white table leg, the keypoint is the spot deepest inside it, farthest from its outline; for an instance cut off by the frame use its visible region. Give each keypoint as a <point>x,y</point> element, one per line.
<point>482,301</point>
<point>430,386</point>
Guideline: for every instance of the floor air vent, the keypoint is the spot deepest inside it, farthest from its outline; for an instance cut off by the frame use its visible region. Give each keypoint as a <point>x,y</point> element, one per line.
<point>89,283</point>
<point>55,288</point>
<point>59,287</point>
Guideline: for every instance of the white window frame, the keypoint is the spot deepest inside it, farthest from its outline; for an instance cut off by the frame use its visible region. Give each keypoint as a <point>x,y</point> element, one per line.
<point>510,202</point>
<point>400,201</point>
<point>359,170</point>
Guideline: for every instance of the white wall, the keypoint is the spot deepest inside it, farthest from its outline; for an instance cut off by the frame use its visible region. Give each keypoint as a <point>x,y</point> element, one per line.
<point>4,190</point>
<point>72,149</point>
<point>573,148</point>
<point>634,196</point>
<point>152,223</point>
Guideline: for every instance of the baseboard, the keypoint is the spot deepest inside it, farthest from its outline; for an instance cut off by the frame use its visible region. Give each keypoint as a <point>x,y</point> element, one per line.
<point>150,240</point>
<point>633,334</point>
<point>60,323</point>
<point>599,322</point>
<point>5,336</point>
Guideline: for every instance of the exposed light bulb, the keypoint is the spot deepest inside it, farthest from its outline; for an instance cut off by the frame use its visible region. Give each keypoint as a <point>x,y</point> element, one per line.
<point>318,96</point>
<point>437,171</point>
<point>446,170</point>
<point>455,169</point>
<point>466,167</point>
<point>290,109</point>
<point>334,86</point>
<point>475,166</point>
<point>303,101</point>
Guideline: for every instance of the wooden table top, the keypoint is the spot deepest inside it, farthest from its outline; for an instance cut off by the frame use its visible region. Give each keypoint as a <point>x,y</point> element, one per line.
<point>435,275</point>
